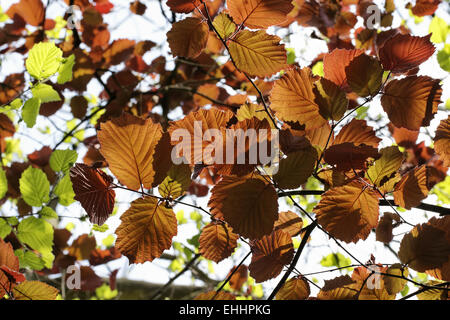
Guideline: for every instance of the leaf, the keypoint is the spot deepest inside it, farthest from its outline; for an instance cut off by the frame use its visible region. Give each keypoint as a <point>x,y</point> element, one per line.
<point>257,53</point>
<point>192,128</point>
<point>441,141</point>
<point>5,228</point>
<point>346,156</point>
<point>348,212</point>
<point>64,191</point>
<point>331,100</point>
<point>239,277</point>
<point>62,160</point>
<point>65,69</point>
<point>357,132</point>
<point>294,289</point>
<point>404,137</point>
<point>32,11</point>
<point>177,181</point>
<point>93,189</point>
<point>335,62</point>
<point>411,102</point>
<point>146,230</point>
<point>432,294</point>
<point>213,295</point>
<point>296,168</point>
<point>118,51</point>
<point>29,259</point>
<point>45,93</point>
<point>443,58</point>
<point>336,260</point>
<point>412,188</point>
<point>43,60</point>
<point>34,187</point>
<point>339,288</point>
<point>438,29</point>
<point>292,98</point>
<point>404,52</point>
<point>128,145</point>
<point>393,284</point>
<point>188,37</point>
<point>385,167</point>
<point>37,233</point>
<point>248,205</point>
<point>364,75</point>
<point>183,6</point>
<point>424,7</point>
<point>82,247</point>
<point>385,225</point>
<point>217,241</point>
<point>270,254</point>
<point>424,247</point>
<point>259,14</point>
<point>34,290</point>
<point>224,25</point>
<point>3,184</point>
<point>289,222</point>
<point>30,111</point>
<point>8,259</point>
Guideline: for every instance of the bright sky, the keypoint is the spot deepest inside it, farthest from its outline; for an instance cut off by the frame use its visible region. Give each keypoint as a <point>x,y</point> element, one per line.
<point>153,26</point>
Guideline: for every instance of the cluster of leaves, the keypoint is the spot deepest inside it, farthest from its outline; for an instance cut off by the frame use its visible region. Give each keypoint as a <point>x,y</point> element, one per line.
<point>132,146</point>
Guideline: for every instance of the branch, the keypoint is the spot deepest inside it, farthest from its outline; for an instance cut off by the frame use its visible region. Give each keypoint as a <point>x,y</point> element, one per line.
<point>443,211</point>
<point>309,229</point>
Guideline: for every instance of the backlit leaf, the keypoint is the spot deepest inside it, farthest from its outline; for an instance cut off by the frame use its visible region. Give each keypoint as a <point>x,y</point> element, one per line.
<point>146,230</point>
<point>213,295</point>
<point>128,145</point>
<point>188,37</point>
<point>259,13</point>
<point>385,167</point>
<point>43,60</point>
<point>289,222</point>
<point>331,99</point>
<point>403,52</point>
<point>34,290</point>
<point>177,181</point>
<point>62,160</point>
<point>257,53</point>
<point>270,254</point>
<point>32,11</point>
<point>30,111</point>
<point>217,241</point>
<point>92,188</point>
<point>248,205</point>
<point>348,212</point>
<point>411,102</point>
<point>442,141</point>
<point>294,289</point>
<point>224,25</point>
<point>292,98</point>
<point>34,187</point>
<point>8,259</point>
<point>183,6</point>
<point>393,284</point>
<point>335,62</point>
<point>364,75</point>
<point>412,188</point>
<point>65,69</point>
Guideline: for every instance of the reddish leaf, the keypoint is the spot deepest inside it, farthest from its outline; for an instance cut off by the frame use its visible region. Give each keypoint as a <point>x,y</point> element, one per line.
<point>217,241</point>
<point>10,261</point>
<point>442,141</point>
<point>334,65</point>
<point>32,11</point>
<point>183,6</point>
<point>92,188</point>
<point>239,277</point>
<point>404,52</point>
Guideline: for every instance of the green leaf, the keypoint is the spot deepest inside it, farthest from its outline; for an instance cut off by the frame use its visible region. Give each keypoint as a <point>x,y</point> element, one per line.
<point>28,259</point>
<point>43,60</point>
<point>45,92</point>
<point>443,57</point>
<point>5,228</point>
<point>64,191</point>
<point>335,260</point>
<point>62,160</point>
<point>290,55</point>
<point>102,228</point>
<point>37,233</point>
<point>65,69</point>
<point>48,213</point>
<point>34,187</point>
<point>439,29</point>
<point>3,183</point>
<point>30,111</point>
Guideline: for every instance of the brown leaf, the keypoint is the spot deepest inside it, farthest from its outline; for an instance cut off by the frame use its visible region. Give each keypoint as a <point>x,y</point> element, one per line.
<point>217,241</point>
<point>357,132</point>
<point>82,247</point>
<point>239,277</point>
<point>9,260</point>
<point>188,37</point>
<point>248,205</point>
<point>146,230</point>
<point>442,141</point>
<point>270,254</point>
<point>413,187</point>
<point>259,14</point>
<point>385,226</point>
<point>289,222</point>
<point>364,75</point>
<point>403,52</point>
<point>292,98</point>
<point>331,100</point>
<point>346,156</point>
<point>294,289</point>
<point>335,62</point>
<point>183,6</point>
<point>93,189</point>
<point>339,288</point>
<point>32,11</point>
<point>211,295</point>
<point>128,144</point>
<point>348,212</point>
<point>411,102</point>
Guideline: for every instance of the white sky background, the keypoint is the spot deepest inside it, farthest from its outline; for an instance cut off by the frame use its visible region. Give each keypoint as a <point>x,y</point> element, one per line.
<point>153,26</point>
